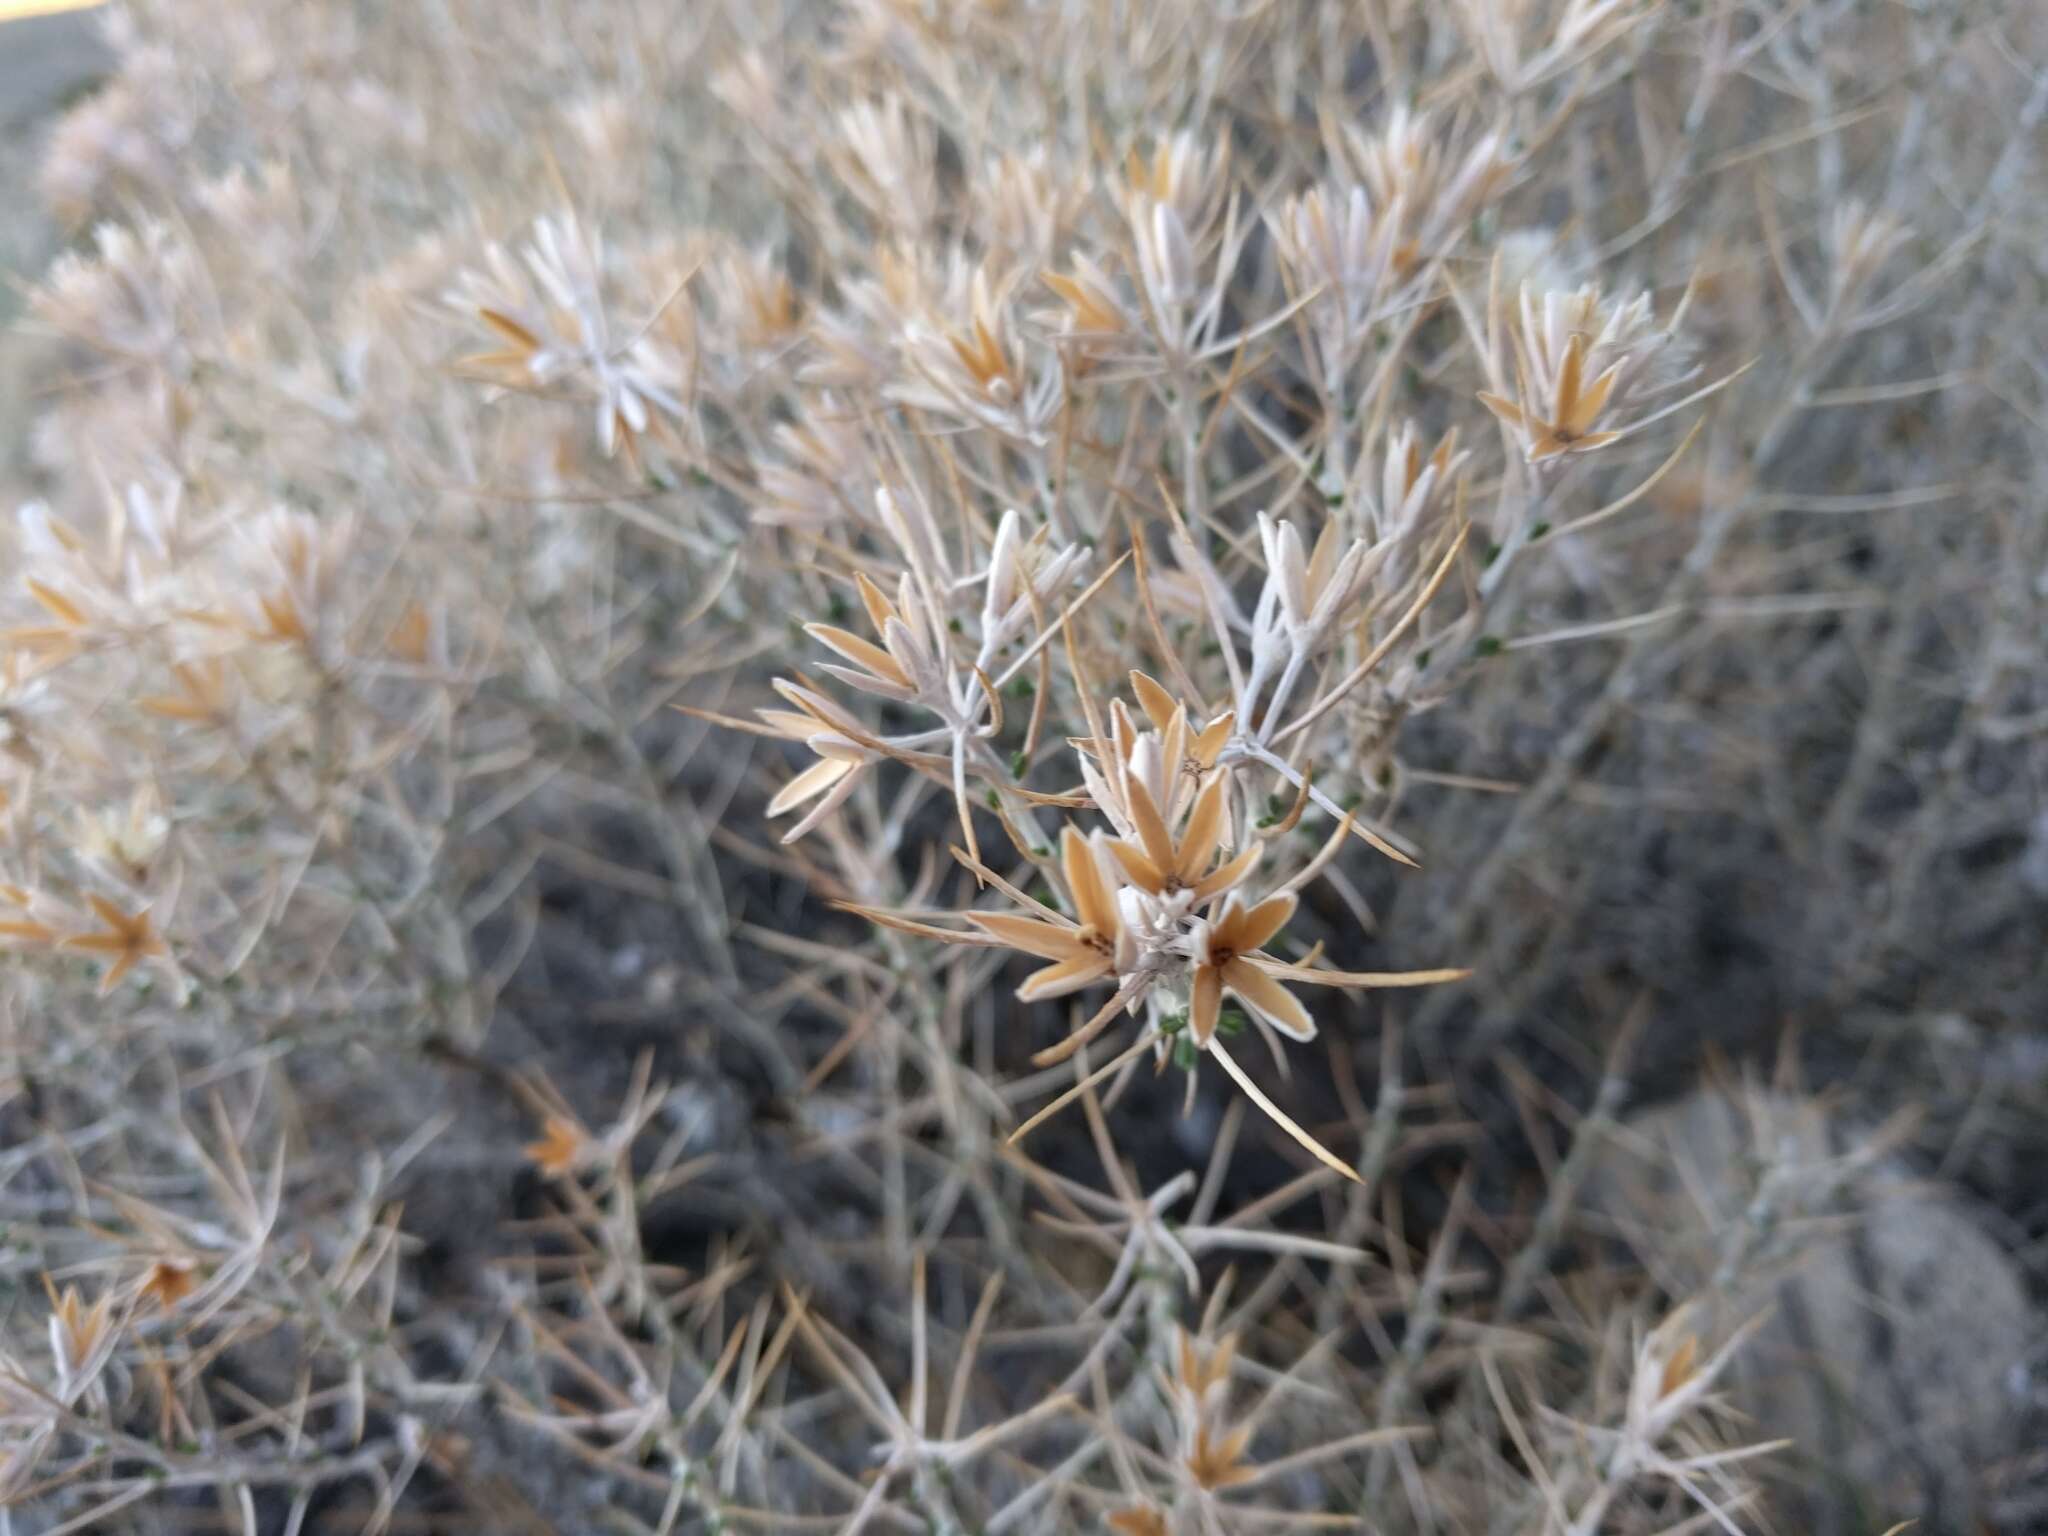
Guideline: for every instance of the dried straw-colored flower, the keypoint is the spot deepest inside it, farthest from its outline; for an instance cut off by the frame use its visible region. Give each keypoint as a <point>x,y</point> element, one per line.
<point>168,1282</point>
<point>1084,949</point>
<point>563,1147</point>
<point>125,939</point>
<point>1229,960</point>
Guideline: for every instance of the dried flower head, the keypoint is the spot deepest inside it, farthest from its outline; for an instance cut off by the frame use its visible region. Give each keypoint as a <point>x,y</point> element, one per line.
<point>82,1338</point>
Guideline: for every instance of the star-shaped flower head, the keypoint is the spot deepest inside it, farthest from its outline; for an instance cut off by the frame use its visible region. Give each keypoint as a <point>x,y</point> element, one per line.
<point>1226,954</point>
<point>904,666</point>
<point>1166,762</point>
<point>1083,949</point>
<point>127,940</point>
<point>1158,862</point>
<point>562,1148</point>
<point>1566,424</point>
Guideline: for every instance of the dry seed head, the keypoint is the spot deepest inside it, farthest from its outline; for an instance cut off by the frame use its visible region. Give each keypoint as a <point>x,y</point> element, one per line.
<point>1023,203</point>
<point>168,1282</point>
<point>1340,259</point>
<point>563,1147</point>
<point>1092,321</point>
<point>971,366</point>
<point>1426,201</point>
<point>885,154</point>
<point>756,301</point>
<point>123,940</point>
<point>82,1338</point>
<point>1579,362</point>
<point>135,295</point>
<point>124,842</point>
<point>1227,954</point>
<point>1184,174</point>
<point>1086,949</point>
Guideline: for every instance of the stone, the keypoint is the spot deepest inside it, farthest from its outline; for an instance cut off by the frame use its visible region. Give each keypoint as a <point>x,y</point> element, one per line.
<point>1895,1354</point>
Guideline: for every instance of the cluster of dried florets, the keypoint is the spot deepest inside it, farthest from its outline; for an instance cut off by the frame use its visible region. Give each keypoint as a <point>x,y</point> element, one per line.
<point>1162,906</point>
<point>208,638</point>
<point>1311,649</point>
<point>547,312</point>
